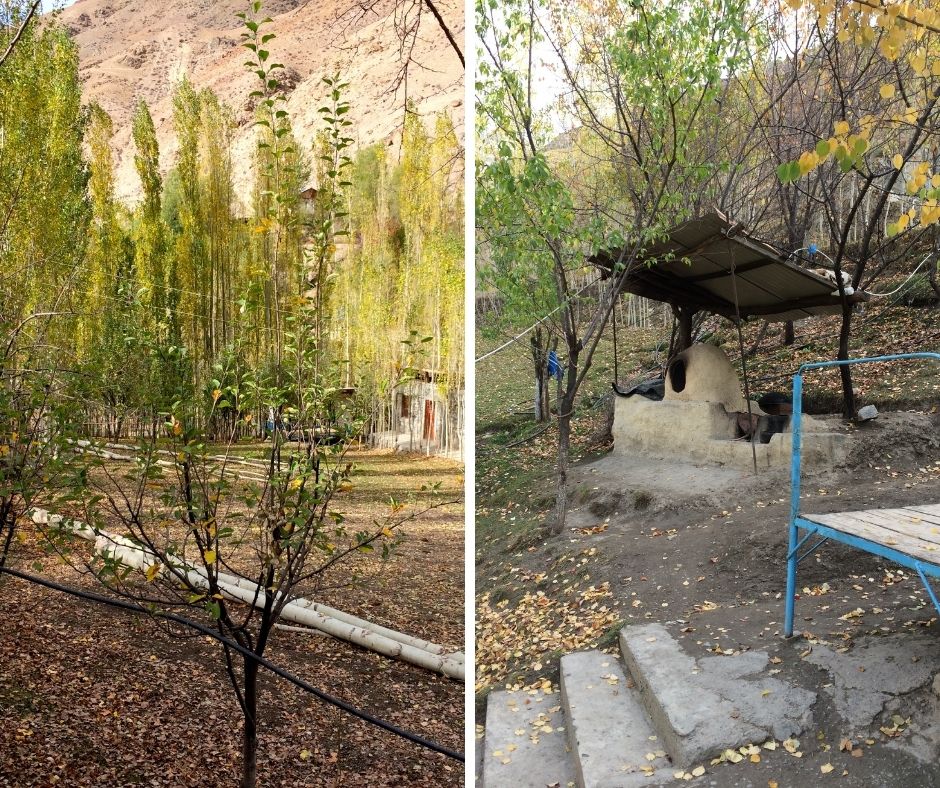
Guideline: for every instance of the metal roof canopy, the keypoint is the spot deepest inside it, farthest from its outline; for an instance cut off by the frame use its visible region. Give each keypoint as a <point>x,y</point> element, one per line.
<point>703,260</point>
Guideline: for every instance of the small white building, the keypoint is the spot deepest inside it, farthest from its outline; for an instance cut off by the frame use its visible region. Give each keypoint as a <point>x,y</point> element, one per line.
<point>425,414</point>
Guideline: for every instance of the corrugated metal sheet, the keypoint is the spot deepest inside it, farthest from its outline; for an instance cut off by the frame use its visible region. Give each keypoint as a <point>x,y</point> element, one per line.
<point>705,259</point>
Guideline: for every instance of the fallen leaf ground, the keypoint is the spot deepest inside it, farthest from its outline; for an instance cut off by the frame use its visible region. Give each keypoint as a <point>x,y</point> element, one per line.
<point>710,567</point>
<point>90,696</point>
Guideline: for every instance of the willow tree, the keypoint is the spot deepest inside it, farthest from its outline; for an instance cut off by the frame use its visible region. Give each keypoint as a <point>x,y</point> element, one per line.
<point>430,294</point>
<point>150,235</point>
<point>208,267</point>
<point>189,272</point>
<point>400,280</point>
<point>115,361</point>
<point>224,239</point>
<point>42,173</point>
<point>155,270</point>
<point>362,301</point>
<point>43,217</point>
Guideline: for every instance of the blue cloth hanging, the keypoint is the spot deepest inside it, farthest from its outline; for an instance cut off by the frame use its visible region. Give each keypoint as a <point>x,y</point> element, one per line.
<point>554,367</point>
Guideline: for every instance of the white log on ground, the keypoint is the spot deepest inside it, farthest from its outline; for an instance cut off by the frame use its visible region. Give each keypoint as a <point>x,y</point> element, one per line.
<point>350,628</point>
<point>356,635</point>
<point>332,612</point>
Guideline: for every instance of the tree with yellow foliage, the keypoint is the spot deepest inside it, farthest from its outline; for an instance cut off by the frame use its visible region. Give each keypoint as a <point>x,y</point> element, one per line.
<point>873,118</point>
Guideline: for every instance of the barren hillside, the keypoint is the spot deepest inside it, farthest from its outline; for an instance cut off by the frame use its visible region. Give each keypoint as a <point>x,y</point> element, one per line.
<point>132,49</point>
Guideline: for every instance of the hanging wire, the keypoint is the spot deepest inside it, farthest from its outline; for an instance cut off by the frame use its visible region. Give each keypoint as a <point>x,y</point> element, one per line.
<point>536,324</point>
<point>901,286</point>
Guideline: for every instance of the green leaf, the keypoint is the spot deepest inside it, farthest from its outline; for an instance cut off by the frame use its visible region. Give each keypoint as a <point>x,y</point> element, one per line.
<point>788,171</point>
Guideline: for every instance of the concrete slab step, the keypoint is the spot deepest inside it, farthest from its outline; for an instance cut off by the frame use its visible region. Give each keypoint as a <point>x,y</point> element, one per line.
<point>701,707</point>
<point>609,732</point>
<point>524,745</point>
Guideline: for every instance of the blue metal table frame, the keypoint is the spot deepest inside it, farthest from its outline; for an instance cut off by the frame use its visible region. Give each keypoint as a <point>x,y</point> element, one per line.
<point>796,548</point>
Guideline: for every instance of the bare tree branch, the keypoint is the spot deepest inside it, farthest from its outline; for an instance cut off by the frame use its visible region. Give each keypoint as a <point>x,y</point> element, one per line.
<point>19,33</point>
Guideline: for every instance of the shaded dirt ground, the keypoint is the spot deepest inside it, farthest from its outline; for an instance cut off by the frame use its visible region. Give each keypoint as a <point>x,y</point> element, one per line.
<point>702,551</point>
<point>90,696</point>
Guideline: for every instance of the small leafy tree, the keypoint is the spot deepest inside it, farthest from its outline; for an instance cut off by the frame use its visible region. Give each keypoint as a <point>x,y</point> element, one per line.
<point>643,81</point>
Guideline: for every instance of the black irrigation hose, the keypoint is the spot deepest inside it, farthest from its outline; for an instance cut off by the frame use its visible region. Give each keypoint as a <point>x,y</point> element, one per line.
<point>362,715</point>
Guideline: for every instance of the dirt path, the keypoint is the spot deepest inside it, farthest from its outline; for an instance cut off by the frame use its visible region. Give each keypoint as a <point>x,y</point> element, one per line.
<point>702,551</point>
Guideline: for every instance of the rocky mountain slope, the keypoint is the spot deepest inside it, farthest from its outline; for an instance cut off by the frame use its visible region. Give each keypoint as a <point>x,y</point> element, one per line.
<point>133,49</point>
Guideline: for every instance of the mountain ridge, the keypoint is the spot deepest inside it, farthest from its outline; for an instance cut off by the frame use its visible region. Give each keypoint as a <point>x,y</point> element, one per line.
<point>131,50</point>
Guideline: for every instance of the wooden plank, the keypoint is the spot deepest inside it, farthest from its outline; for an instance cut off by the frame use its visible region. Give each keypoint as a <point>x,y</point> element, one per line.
<point>931,509</point>
<point>917,548</point>
<point>909,513</point>
<point>900,522</point>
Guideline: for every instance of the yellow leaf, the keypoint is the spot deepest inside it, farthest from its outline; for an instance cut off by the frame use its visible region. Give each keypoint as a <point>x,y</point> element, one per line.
<point>897,161</point>
<point>387,532</point>
<point>209,556</point>
<point>344,486</point>
<point>295,483</point>
<point>841,128</point>
<point>305,754</point>
<point>887,91</point>
<point>152,571</point>
<point>216,393</point>
<point>826,768</point>
<point>808,161</point>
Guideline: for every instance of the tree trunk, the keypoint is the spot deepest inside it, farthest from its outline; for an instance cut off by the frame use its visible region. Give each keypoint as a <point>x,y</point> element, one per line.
<point>250,730</point>
<point>540,360</point>
<point>560,512</point>
<point>789,336</point>
<point>567,390</point>
<point>541,397</point>
<point>684,338</point>
<point>848,393</point>
<point>932,278</point>
<point>7,528</point>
